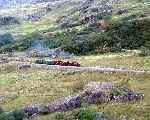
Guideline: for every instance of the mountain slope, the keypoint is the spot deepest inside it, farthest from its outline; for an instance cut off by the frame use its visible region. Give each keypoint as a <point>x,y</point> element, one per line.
<point>82,23</point>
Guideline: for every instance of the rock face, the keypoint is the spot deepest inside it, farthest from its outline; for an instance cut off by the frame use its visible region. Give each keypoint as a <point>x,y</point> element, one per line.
<point>92,94</point>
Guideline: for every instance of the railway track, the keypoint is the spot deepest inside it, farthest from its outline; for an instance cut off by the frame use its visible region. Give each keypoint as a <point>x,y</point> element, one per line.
<point>86,69</point>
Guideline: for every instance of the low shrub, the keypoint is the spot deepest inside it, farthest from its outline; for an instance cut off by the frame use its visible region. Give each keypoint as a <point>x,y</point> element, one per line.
<point>13,115</point>
<point>84,113</point>
<point>6,116</point>
<point>18,114</point>
<point>5,39</point>
<point>145,51</point>
<point>1,110</point>
<point>122,34</point>
<point>60,116</point>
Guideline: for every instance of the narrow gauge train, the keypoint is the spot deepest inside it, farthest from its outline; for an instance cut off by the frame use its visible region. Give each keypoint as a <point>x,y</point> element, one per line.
<point>57,62</point>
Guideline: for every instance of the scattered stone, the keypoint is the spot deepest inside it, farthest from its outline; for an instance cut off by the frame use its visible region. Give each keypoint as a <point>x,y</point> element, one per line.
<point>100,116</point>
<point>24,67</point>
<point>8,97</point>
<point>2,99</point>
<point>99,86</point>
<point>122,11</point>
<point>3,60</point>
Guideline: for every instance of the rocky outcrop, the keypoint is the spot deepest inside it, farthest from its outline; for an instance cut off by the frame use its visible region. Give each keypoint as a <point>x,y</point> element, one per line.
<point>93,93</point>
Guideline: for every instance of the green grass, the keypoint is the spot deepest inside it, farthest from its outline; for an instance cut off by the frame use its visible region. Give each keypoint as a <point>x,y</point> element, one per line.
<point>48,24</point>
<point>43,86</point>
<point>47,21</point>
<point>124,60</point>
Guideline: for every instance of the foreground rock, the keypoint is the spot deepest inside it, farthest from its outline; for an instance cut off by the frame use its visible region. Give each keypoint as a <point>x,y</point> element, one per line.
<point>93,93</point>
